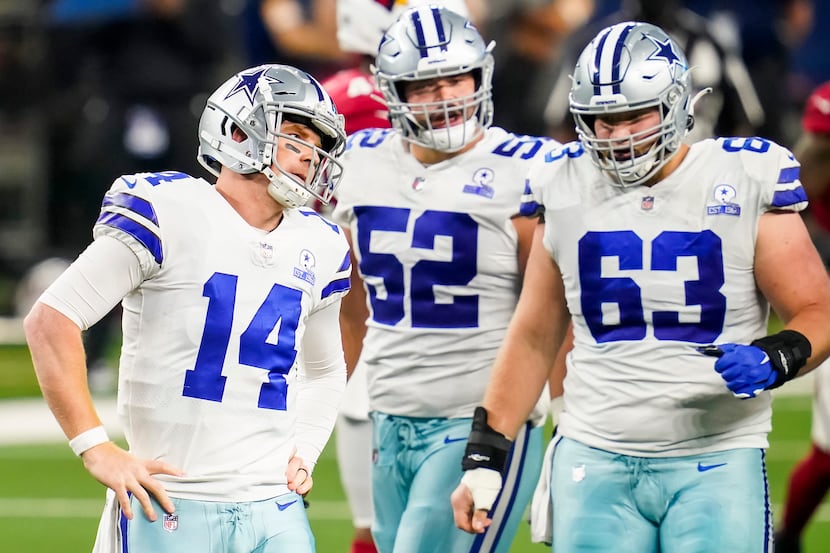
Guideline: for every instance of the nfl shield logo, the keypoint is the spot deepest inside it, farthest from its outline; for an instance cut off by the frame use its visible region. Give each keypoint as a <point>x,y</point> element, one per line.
<point>170,522</point>
<point>648,203</point>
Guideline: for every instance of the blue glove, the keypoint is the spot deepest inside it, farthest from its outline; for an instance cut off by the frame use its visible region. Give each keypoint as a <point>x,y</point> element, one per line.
<point>746,369</point>
<point>766,363</point>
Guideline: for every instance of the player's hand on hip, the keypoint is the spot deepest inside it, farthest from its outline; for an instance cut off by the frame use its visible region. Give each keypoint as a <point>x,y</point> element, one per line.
<point>747,370</point>
<point>299,476</point>
<point>473,499</point>
<point>125,473</point>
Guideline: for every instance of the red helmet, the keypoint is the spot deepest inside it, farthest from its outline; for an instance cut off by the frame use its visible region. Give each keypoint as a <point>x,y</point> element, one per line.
<point>816,117</point>
<point>357,99</point>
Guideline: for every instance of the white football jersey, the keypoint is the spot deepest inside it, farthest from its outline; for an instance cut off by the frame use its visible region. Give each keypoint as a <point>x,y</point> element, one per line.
<point>211,335</point>
<point>821,407</point>
<point>651,273</point>
<point>438,255</point>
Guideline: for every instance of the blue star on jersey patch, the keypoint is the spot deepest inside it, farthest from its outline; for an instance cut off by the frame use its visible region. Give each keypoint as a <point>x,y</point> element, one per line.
<point>482,183</point>
<point>307,262</point>
<point>724,195</point>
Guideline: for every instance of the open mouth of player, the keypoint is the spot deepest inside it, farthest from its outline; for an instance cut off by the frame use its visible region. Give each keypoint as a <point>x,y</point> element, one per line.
<point>621,154</point>
<point>449,118</point>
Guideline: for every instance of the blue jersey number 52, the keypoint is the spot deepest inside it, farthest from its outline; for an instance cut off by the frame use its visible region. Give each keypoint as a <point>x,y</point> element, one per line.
<point>459,270</point>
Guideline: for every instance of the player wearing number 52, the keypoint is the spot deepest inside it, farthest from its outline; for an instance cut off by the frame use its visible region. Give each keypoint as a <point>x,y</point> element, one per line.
<point>429,206</point>
<point>658,252</point>
<point>231,366</point>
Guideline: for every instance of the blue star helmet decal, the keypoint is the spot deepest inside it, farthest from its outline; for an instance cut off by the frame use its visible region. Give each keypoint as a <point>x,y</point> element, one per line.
<point>248,83</point>
<point>665,51</point>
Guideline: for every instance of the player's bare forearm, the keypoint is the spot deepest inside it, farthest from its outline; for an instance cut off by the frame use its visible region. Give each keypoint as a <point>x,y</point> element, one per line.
<point>59,361</point>
<point>353,315</point>
<point>801,297</point>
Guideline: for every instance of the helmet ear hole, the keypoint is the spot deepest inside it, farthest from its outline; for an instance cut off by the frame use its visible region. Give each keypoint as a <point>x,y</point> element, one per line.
<point>237,134</point>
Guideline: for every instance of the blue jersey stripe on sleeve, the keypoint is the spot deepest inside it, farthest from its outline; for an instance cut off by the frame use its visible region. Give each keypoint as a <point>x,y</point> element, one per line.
<point>133,203</point>
<point>526,209</point>
<point>141,233</point>
<point>339,285</point>
<point>347,263</point>
<point>784,198</point>
<point>788,174</point>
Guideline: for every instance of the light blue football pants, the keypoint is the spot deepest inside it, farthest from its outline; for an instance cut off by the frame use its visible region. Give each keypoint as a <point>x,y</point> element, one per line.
<point>277,525</point>
<point>708,503</point>
<point>417,466</point>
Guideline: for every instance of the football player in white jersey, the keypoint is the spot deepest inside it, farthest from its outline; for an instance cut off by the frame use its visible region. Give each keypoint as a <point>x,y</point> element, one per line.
<point>360,26</point>
<point>427,206</point>
<point>666,258</point>
<point>231,366</point>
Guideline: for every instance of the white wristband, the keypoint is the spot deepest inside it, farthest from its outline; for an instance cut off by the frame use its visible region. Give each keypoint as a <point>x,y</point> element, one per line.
<point>88,439</point>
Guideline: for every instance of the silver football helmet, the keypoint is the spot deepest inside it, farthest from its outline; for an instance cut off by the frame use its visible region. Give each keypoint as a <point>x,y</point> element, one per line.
<point>428,42</point>
<point>361,23</point>
<point>630,66</point>
<point>257,101</point>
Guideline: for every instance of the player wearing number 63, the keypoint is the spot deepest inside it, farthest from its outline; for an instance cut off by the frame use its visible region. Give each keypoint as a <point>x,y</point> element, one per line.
<point>428,206</point>
<point>659,253</point>
<point>231,366</point>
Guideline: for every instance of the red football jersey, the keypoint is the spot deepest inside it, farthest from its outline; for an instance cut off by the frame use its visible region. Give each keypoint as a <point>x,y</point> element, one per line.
<point>357,98</point>
<point>816,119</point>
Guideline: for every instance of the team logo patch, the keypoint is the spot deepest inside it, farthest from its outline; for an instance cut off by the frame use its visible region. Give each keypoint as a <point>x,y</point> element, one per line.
<point>724,195</point>
<point>170,522</point>
<point>482,183</point>
<point>305,270</point>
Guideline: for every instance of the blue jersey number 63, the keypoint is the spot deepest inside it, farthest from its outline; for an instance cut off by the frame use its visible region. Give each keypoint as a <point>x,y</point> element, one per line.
<point>624,292</point>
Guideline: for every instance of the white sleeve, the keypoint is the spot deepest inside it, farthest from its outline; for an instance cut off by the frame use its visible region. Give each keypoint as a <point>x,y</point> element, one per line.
<point>322,379</point>
<point>105,272</point>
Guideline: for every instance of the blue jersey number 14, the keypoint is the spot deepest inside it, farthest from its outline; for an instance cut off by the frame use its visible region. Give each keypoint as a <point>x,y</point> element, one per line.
<point>282,307</point>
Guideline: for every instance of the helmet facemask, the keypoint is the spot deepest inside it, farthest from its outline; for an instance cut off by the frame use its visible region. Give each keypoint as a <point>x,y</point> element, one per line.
<point>430,124</point>
<point>633,160</point>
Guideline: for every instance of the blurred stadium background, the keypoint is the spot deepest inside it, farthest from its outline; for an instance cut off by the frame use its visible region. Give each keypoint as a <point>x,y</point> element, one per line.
<point>91,89</point>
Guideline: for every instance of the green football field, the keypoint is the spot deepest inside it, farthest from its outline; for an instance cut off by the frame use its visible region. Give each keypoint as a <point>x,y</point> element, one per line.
<point>48,503</point>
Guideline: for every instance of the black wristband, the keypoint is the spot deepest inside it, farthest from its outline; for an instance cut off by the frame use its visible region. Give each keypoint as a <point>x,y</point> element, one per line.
<point>788,351</point>
<point>486,448</point>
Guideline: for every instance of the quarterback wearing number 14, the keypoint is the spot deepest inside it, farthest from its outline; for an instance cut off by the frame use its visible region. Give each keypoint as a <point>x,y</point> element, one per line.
<point>231,367</point>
